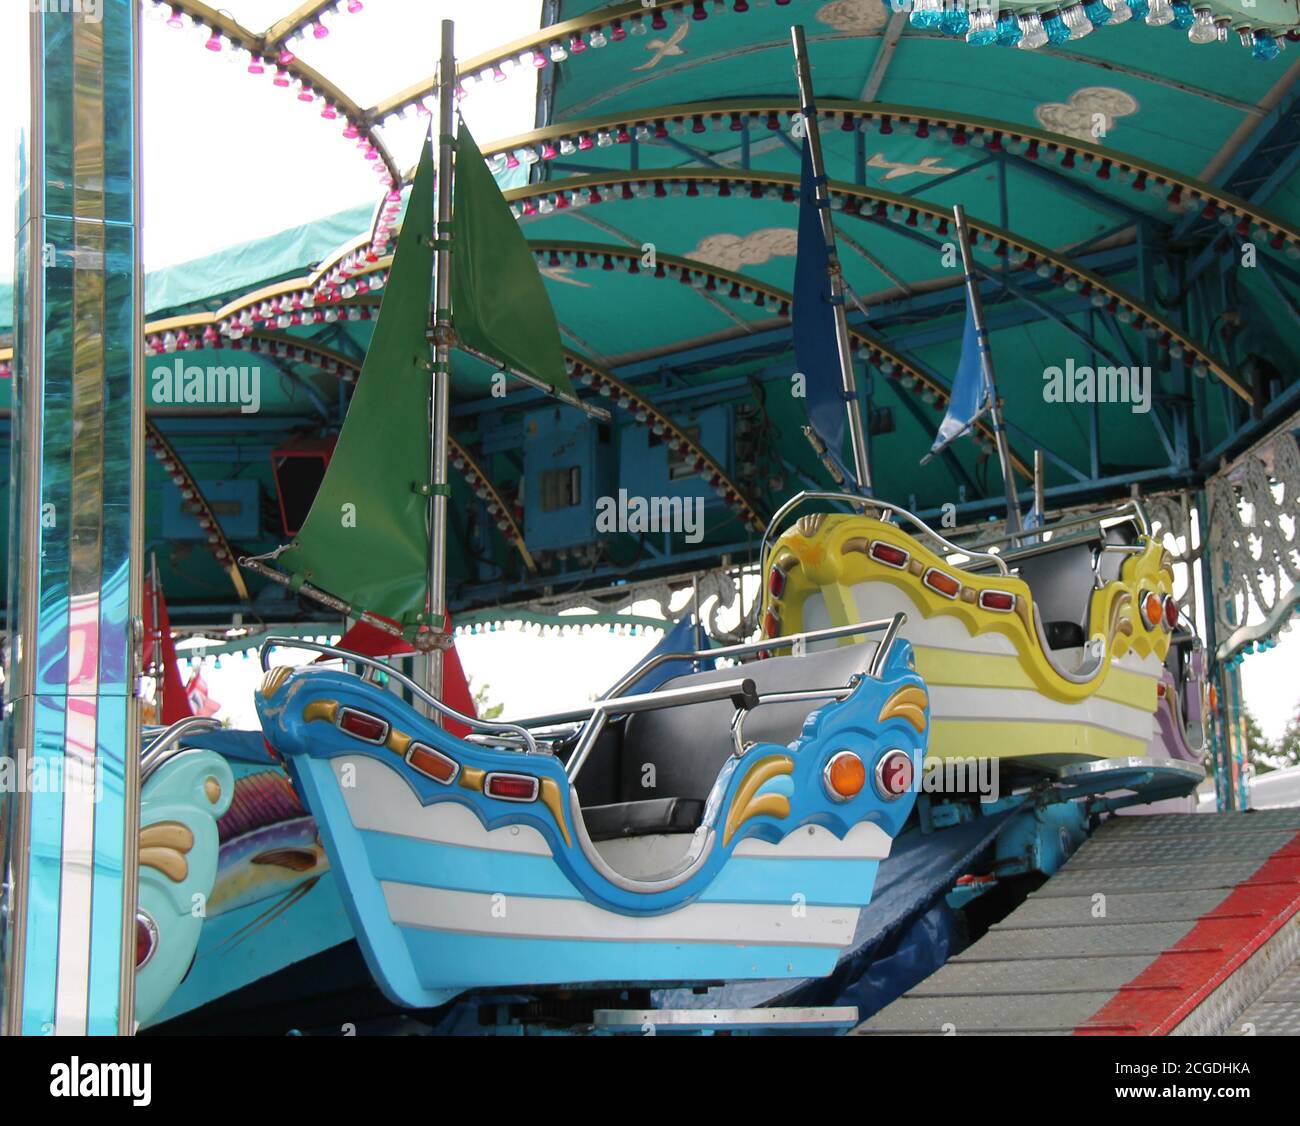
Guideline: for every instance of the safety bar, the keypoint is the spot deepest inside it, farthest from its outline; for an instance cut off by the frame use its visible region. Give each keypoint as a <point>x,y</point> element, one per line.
<point>160,748</point>
<point>748,648</point>
<point>472,722</point>
<point>741,692</point>
<point>751,617</point>
<point>803,694</point>
<point>1131,507</point>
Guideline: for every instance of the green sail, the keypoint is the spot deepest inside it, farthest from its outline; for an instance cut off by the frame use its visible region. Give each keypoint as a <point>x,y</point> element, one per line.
<point>366,539</point>
<point>499,304</point>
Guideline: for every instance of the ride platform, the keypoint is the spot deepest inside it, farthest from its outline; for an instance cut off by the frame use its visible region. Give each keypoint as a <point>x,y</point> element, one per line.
<point>1161,924</point>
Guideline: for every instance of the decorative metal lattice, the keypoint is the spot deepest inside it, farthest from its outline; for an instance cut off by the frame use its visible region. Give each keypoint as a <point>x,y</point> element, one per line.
<point>1253,524</point>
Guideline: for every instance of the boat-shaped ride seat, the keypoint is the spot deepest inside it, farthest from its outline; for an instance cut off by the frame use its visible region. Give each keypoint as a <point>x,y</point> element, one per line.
<point>1063,575</point>
<point>651,773</point>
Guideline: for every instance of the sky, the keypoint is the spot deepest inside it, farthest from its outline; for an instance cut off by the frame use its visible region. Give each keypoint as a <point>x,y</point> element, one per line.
<point>228,157</point>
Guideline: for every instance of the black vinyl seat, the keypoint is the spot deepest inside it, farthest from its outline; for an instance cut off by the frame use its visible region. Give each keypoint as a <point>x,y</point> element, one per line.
<point>652,772</point>
<point>642,818</point>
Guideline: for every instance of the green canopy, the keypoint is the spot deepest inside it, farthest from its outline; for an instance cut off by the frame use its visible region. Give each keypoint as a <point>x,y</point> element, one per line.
<point>499,304</point>
<point>366,539</point>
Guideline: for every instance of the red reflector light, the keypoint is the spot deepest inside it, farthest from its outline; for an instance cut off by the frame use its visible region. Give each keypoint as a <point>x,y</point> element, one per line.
<point>146,939</point>
<point>776,582</point>
<point>363,725</point>
<point>894,775</point>
<point>511,787</point>
<point>432,764</point>
<point>1171,611</point>
<point>999,600</point>
<point>1160,691</point>
<point>771,624</point>
<point>941,582</point>
<point>888,554</point>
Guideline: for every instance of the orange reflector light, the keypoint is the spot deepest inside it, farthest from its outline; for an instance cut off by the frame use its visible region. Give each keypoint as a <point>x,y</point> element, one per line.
<point>363,725</point>
<point>1000,600</point>
<point>1153,610</point>
<point>941,582</point>
<point>1171,611</point>
<point>844,776</point>
<point>894,775</point>
<point>771,624</point>
<point>776,582</point>
<point>432,764</point>
<point>511,787</point>
<point>888,554</point>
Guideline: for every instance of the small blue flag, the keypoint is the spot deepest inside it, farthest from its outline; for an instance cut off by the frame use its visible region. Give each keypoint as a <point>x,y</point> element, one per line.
<point>684,636</point>
<point>970,388</point>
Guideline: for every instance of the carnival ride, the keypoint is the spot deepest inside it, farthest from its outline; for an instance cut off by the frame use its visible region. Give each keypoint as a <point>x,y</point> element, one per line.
<point>473,870</point>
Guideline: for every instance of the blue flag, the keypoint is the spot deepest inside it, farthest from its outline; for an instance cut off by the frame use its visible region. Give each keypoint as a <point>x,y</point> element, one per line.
<point>813,321</point>
<point>970,388</point>
<point>1033,518</point>
<point>683,636</point>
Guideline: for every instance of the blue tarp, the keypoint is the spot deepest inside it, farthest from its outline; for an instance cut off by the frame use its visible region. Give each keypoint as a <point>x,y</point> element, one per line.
<point>903,935</point>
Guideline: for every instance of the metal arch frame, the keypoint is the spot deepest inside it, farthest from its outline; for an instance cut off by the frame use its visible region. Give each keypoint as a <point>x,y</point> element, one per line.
<point>1055,144</point>
<point>910,210</point>
<point>512,534</point>
<point>769,292</point>
<point>484,62</point>
<point>268,44</point>
<point>637,403</point>
<point>165,451</point>
<point>497,505</point>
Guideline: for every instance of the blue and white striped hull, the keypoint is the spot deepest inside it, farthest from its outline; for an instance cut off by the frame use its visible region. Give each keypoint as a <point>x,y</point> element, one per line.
<point>465,906</point>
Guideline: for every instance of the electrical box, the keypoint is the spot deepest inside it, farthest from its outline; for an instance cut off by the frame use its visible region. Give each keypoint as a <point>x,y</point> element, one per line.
<point>567,466</point>
<point>648,467</point>
<point>236,505</point>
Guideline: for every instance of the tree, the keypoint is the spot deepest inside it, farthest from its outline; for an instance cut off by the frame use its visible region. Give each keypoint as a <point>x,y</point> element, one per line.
<point>1287,750</point>
<point>485,709</point>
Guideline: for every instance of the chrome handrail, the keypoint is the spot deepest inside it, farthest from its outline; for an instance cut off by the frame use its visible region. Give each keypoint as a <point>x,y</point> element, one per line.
<point>472,722</point>
<point>740,691</point>
<point>751,616</point>
<point>746,648</point>
<point>160,747</point>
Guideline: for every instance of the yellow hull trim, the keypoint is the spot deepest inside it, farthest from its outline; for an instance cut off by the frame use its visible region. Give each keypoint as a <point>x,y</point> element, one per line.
<point>830,555</point>
<point>1041,739</point>
<point>994,671</point>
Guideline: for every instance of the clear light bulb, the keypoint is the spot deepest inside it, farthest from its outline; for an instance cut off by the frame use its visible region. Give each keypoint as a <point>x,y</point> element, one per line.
<point>1203,29</point>
<point>1032,33</point>
<point>1160,12</point>
<point>1120,12</point>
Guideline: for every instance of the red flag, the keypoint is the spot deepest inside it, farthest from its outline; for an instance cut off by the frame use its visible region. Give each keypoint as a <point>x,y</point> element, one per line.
<point>196,693</point>
<point>175,698</point>
<point>373,642</point>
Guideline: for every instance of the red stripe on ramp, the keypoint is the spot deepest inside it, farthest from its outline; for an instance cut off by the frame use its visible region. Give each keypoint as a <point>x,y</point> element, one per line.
<point>1220,941</point>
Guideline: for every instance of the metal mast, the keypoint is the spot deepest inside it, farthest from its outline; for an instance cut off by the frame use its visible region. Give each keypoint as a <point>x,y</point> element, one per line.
<point>807,102</point>
<point>986,368</point>
<point>440,387</point>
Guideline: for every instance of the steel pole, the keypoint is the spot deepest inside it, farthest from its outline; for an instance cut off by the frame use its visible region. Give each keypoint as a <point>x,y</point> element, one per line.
<point>808,106</point>
<point>440,388</point>
<point>986,367</point>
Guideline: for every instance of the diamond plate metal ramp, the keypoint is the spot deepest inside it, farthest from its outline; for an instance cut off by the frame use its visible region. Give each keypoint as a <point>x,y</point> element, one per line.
<point>1167,924</point>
